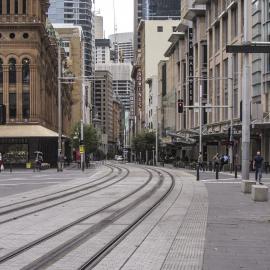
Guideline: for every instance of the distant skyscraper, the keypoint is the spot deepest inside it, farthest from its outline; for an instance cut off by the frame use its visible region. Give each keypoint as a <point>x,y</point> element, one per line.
<point>122,43</point>
<point>154,10</point>
<point>78,12</point>
<point>99,30</point>
<point>122,82</point>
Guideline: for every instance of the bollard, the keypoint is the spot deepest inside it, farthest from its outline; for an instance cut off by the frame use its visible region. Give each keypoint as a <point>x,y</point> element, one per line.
<point>217,172</point>
<point>235,171</point>
<point>198,172</point>
<point>10,168</point>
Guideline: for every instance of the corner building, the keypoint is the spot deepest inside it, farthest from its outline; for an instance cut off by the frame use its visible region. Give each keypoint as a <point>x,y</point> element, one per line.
<point>28,82</point>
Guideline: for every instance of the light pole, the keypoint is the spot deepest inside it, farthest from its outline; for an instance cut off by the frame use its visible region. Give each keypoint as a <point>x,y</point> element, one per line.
<point>157,137</point>
<point>59,165</point>
<point>246,101</point>
<point>82,150</point>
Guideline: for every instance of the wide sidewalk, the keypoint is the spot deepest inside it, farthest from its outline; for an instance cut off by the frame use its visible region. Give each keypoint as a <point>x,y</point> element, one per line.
<point>238,229</point>
<point>237,234</point>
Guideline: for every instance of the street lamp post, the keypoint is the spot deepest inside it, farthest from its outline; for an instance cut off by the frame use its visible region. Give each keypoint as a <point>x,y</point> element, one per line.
<point>82,110</point>
<point>59,165</point>
<point>246,101</point>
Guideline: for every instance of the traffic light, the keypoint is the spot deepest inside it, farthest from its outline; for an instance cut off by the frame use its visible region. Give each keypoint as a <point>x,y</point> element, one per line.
<point>2,114</point>
<point>180,105</point>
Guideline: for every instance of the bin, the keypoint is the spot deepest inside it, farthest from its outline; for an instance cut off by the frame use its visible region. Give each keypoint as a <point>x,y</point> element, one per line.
<point>28,165</point>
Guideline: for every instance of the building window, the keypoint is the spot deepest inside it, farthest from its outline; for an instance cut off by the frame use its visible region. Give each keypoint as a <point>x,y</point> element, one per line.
<point>234,23</point>
<point>12,105</point>
<point>210,43</point>
<point>174,28</point>
<point>1,10</point>
<point>8,7</point>
<point>26,105</point>
<point>217,37</point>
<point>235,69</point>
<point>160,28</point>
<point>26,71</point>
<point>225,31</point>
<point>217,92</point>
<point>16,7</point>
<point>1,71</point>
<point>12,70</point>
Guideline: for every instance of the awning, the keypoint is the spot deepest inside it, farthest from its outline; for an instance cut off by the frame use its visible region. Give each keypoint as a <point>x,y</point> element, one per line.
<point>26,131</point>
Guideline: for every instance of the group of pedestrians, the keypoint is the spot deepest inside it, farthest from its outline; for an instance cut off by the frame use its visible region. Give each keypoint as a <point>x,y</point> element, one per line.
<point>220,161</point>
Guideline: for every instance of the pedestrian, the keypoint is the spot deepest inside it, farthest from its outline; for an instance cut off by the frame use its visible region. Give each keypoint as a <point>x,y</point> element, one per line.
<point>1,163</point>
<point>257,166</point>
<point>216,161</point>
<point>200,161</point>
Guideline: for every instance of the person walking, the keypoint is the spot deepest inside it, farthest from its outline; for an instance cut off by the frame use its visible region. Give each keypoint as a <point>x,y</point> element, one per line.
<point>200,161</point>
<point>257,166</point>
<point>216,161</point>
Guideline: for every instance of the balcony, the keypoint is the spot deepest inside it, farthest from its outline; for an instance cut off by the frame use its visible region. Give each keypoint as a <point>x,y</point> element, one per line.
<point>190,10</point>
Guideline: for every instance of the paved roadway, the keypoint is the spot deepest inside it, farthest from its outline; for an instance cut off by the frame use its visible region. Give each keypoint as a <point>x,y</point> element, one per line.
<point>207,224</point>
<point>20,181</point>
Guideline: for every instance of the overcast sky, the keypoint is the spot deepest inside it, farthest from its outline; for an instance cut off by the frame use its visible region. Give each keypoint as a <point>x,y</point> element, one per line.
<point>124,15</point>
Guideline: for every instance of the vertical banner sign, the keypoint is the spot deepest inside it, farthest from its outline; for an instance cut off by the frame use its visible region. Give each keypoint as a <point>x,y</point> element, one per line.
<point>139,88</point>
<point>190,68</point>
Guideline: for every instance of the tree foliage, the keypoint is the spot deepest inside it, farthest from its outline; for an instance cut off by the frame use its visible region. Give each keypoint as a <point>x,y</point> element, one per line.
<point>91,140</point>
<point>144,141</point>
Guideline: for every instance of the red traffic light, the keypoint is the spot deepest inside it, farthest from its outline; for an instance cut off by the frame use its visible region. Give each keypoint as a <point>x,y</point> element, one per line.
<point>180,105</point>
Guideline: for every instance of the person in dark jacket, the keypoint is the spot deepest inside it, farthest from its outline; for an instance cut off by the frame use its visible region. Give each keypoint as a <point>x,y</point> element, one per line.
<point>257,165</point>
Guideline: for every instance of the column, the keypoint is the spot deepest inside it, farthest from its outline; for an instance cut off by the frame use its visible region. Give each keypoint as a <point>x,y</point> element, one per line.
<point>5,89</point>
<point>12,7</point>
<point>32,92</point>
<point>19,92</point>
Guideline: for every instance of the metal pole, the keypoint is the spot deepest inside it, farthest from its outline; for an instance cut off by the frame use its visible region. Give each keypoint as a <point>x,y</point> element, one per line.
<point>200,117</point>
<point>59,168</point>
<point>82,106</point>
<point>230,85</point>
<point>246,101</point>
<point>157,138</point>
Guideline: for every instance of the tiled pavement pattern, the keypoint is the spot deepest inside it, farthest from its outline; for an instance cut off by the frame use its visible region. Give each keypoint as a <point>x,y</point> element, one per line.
<point>172,237</point>
<point>238,230</point>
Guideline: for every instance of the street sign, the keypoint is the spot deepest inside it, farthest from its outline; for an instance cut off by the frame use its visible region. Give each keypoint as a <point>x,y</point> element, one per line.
<point>248,48</point>
<point>82,150</point>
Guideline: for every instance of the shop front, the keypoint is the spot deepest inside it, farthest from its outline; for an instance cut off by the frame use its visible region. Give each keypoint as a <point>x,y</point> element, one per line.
<point>19,143</point>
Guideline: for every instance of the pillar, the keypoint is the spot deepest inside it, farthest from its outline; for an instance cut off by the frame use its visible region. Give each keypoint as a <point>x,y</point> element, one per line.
<point>33,90</point>
<point>19,92</point>
<point>6,90</point>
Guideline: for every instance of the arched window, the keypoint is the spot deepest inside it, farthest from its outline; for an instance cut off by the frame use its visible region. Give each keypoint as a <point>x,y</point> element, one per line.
<point>25,71</point>
<point>1,71</point>
<point>12,70</point>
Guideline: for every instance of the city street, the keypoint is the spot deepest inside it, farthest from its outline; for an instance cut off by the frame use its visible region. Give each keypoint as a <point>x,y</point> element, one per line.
<point>126,216</point>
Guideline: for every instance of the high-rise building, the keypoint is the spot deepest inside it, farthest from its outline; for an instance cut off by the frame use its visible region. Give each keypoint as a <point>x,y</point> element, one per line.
<point>122,46</point>
<point>103,100</point>
<point>103,51</point>
<point>122,82</point>
<point>154,10</point>
<point>78,12</point>
<point>99,30</point>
